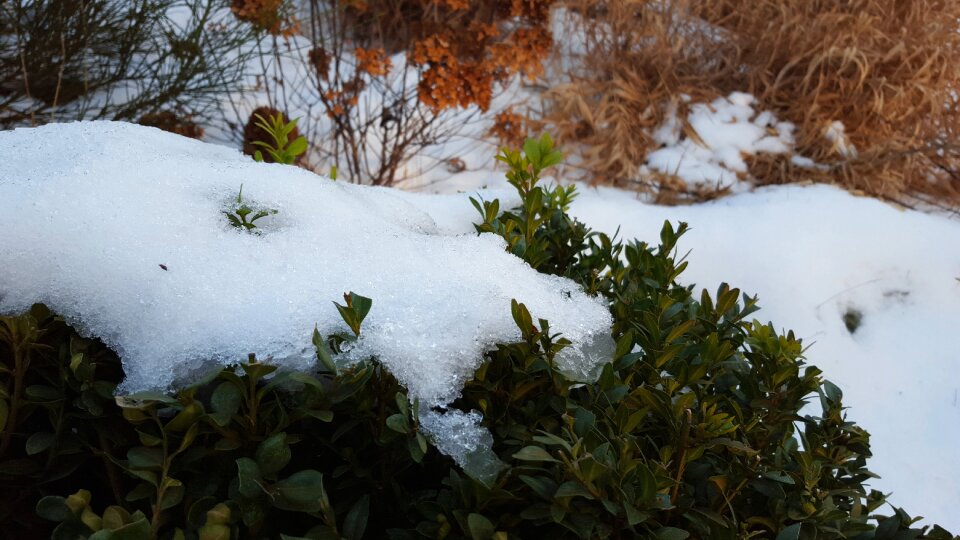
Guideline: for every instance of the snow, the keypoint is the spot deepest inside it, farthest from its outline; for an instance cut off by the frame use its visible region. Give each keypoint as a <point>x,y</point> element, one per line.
<point>87,228</point>
<point>836,133</point>
<point>727,130</point>
<point>459,435</point>
<point>813,253</point>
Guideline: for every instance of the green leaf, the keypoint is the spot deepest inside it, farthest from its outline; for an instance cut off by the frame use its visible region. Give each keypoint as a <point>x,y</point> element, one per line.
<point>671,533</point>
<point>398,422</point>
<point>417,447</point>
<point>172,494</point>
<point>779,476</point>
<point>226,398</point>
<point>544,487</point>
<point>584,421</point>
<point>551,159</point>
<point>39,441</point>
<point>790,533</point>
<point>480,527</point>
<point>646,484</point>
<point>227,444</point>
<point>42,392</point>
<point>53,508</point>
<point>572,488</point>
<point>355,523</point>
<point>273,454</point>
<point>138,530</point>
<point>323,416</point>
<point>253,511</point>
<point>531,148</point>
<point>534,453</point>
<point>142,400</point>
<point>141,491</point>
<point>301,491</point>
<point>323,351</point>
<point>250,479</point>
<point>298,146</point>
<point>141,457</point>
<point>197,514</point>
<point>115,517</point>
<point>402,403</point>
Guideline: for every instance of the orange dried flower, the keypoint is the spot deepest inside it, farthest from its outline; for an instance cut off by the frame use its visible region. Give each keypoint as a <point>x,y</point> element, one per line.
<point>509,127</point>
<point>461,48</point>
<point>455,4</point>
<point>266,15</point>
<point>373,62</point>
<point>523,52</point>
<point>320,60</point>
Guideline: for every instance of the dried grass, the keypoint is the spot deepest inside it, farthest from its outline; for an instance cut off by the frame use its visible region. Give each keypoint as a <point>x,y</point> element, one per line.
<point>889,70</point>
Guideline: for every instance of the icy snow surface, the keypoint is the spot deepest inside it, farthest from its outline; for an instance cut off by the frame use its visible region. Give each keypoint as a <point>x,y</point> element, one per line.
<point>90,212</point>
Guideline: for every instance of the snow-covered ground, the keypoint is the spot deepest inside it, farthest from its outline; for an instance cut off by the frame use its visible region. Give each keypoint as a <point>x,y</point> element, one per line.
<point>87,227</point>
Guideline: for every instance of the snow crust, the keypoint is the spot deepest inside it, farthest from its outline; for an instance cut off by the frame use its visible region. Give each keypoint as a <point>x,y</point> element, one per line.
<point>121,229</point>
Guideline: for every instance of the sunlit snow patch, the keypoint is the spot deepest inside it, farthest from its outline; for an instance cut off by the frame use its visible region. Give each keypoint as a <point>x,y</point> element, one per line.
<point>721,134</point>
<point>121,229</point>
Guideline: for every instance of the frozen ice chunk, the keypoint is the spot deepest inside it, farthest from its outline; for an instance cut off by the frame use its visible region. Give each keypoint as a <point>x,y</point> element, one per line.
<point>121,229</point>
<point>584,361</point>
<point>460,436</point>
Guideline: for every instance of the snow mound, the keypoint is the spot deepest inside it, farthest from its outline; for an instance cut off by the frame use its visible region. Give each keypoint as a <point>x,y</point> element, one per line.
<point>121,229</point>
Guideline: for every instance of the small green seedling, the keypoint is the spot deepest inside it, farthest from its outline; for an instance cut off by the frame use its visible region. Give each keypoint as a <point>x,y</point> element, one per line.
<point>238,218</point>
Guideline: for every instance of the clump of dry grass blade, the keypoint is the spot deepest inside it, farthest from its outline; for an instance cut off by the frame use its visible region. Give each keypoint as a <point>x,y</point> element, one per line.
<point>888,70</point>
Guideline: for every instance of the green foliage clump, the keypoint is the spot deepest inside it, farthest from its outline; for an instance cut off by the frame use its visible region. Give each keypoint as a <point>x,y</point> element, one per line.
<point>282,150</point>
<point>692,430</point>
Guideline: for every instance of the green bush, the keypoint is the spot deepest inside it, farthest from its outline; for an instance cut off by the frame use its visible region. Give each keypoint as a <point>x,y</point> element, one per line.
<point>692,430</point>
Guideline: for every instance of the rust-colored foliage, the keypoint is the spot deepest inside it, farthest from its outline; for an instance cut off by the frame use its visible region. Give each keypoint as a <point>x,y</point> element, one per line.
<point>462,48</point>
<point>266,15</point>
<point>170,121</point>
<point>887,69</point>
<point>509,128</point>
<point>319,59</point>
<point>373,62</point>
<point>457,53</point>
<point>252,132</point>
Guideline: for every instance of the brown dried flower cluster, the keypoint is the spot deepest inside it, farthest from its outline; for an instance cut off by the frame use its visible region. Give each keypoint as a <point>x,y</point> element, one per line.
<point>265,15</point>
<point>462,48</point>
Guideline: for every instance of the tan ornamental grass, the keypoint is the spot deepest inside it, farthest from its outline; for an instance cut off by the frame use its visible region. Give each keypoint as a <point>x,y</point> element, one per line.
<point>886,70</point>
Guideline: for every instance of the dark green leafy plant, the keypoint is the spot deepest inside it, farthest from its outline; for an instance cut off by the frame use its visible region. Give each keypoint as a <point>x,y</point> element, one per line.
<point>693,429</point>
<point>539,231</point>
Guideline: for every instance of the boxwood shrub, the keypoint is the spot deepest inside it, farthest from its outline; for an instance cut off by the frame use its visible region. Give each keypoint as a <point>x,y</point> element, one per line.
<point>695,428</point>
